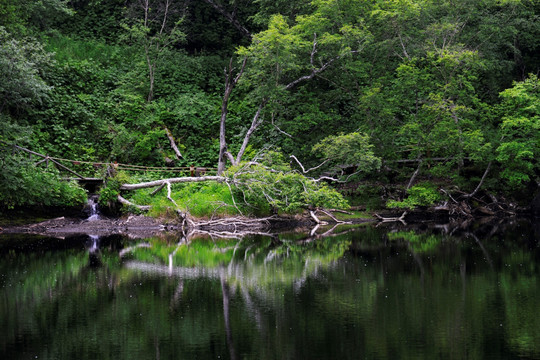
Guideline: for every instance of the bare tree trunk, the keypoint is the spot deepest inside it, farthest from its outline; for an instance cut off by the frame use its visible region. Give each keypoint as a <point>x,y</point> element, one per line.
<point>257,121</point>
<point>229,86</point>
<point>149,43</point>
<point>415,174</point>
<point>171,181</point>
<point>254,125</point>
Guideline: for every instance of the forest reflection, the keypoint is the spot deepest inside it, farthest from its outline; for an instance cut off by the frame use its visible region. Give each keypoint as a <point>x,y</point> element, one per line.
<point>425,291</point>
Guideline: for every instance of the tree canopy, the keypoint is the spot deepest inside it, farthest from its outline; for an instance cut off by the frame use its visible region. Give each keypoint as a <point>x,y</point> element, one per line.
<point>403,91</point>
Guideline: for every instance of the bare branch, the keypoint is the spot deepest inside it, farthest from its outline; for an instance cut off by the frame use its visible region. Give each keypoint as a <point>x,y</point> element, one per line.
<point>314,50</point>
<point>157,190</point>
<point>480,183</point>
<point>173,144</point>
<point>312,214</point>
<point>129,203</point>
<point>403,46</point>
<point>415,174</point>
<point>331,216</point>
<point>169,191</point>
<point>314,72</point>
<point>166,12</point>
<point>313,168</point>
<point>232,197</point>
<point>278,129</point>
<point>254,125</point>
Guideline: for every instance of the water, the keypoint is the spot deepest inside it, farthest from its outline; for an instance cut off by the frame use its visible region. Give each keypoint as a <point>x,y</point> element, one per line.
<point>367,293</point>
<point>93,211</point>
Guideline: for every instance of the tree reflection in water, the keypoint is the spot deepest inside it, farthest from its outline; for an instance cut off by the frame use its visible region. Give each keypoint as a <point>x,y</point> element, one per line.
<point>417,292</point>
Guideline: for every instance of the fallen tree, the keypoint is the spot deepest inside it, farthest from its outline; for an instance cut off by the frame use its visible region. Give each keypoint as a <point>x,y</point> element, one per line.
<point>257,193</point>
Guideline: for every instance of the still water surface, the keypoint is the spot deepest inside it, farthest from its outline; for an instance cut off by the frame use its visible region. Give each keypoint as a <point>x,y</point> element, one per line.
<point>365,293</point>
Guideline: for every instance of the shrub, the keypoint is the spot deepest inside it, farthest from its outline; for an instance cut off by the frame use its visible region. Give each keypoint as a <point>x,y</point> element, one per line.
<point>423,194</point>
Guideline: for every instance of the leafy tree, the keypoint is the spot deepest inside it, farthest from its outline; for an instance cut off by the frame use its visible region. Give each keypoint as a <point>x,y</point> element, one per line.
<point>349,150</point>
<point>519,149</point>
<point>155,26</point>
<point>22,63</point>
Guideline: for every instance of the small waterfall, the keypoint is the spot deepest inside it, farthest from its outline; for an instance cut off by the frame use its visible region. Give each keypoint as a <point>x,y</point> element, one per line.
<point>93,211</point>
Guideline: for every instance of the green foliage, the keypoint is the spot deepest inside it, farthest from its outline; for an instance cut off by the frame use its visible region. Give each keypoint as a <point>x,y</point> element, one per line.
<point>350,150</point>
<point>401,80</point>
<point>21,61</point>
<point>424,194</point>
<point>420,243</point>
<point>108,193</point>
<point>519,149</point>
<point>24,184</point>
<point>270,190</point>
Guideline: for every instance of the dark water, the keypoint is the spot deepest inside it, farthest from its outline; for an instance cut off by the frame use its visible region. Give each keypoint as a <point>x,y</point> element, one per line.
<point>367,293</point>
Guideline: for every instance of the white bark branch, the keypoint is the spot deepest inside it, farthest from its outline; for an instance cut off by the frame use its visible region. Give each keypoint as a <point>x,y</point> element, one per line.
<point>173,144</point>
<point>480,183</point>
<point>254,125</point>
<point>186,179</point>
<point>129,203</point>
<point>302,166</point>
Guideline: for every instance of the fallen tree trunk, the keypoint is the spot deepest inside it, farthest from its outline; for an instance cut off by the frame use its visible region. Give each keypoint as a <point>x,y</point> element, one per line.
<point>171,181</point>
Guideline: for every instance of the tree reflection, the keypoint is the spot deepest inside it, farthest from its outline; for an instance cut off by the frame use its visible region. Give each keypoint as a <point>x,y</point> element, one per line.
<point>369,292</point>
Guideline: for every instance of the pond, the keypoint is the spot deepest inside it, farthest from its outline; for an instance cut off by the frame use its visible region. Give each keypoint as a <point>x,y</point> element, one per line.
<point>365,292</point>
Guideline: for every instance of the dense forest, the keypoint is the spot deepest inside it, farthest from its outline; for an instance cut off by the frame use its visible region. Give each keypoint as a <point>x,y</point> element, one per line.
<point>433,99</point>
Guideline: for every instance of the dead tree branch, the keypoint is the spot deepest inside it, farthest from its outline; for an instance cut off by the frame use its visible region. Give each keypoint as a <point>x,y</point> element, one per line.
<point>230,83</point>
<point>468,196</point>
<point>155,183</point>
<point>173,144</point>
<point>415,174</point>
<point>302,166</point>
<point>129,203</point>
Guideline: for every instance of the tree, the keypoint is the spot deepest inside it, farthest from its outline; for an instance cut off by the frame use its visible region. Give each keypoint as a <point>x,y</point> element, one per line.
<point>347,151</point>
<point>154,25</point>
<point>22,63</point>
<point>519,149</point>
<point>284,57</point>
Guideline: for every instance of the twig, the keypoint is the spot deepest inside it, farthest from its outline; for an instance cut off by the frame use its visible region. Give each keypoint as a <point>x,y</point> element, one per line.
<point>157,190</point>
<point>302,166</point>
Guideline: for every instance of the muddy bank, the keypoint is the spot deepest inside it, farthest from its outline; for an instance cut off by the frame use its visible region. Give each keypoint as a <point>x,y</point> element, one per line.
<point>140,226</point>
<point>144,226</point>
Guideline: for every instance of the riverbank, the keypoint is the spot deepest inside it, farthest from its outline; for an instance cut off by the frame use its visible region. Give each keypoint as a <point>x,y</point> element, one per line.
<point>70,221</point>
<point>144,226</point>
